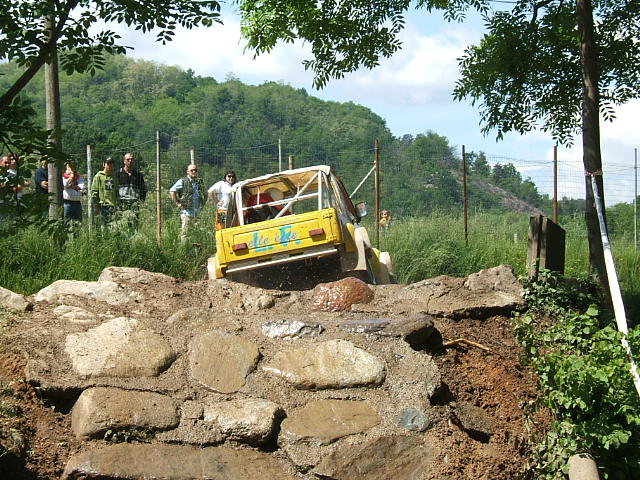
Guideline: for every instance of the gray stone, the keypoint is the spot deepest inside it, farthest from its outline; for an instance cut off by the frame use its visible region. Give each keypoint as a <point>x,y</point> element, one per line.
<point>104,291</point>
<point>583,467</point>
<point>402,457</point>
<point>222,361</point>
<point>324,421</point>
<point>13,301</point>
<point>473,420</point>
<point>75,314</point>
<point>332,364</point>
<point>147,461</point>
<point>133,275</point>
<point>415,329</point>
<point>116,348</point>
<point>291,328</point>
<point>101,409</point>
<point>488,292</point>
<point>414,420</point>
<point>249,421</point>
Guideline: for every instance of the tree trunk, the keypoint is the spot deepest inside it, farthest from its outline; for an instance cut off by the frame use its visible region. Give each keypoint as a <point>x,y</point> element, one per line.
<point>592,158</point>
<point>52,100</point>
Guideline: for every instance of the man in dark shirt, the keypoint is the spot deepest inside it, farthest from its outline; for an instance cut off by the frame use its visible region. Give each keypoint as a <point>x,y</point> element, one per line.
<point>132,190</point>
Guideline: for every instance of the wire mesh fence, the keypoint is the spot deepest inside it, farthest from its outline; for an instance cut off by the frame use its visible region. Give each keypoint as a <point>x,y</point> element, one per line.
<point>163,160</point>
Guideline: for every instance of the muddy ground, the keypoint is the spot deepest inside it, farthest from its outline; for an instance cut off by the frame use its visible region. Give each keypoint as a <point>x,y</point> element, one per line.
<point>479,362</point>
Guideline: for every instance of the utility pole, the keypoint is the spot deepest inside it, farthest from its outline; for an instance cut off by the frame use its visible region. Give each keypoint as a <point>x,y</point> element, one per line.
<point>54,123</point>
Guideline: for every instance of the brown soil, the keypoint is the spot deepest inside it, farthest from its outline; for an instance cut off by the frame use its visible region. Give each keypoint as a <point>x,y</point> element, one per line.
<point>36,439</point>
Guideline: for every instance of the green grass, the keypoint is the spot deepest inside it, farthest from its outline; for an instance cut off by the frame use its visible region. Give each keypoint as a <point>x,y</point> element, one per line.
<point>420,248</point>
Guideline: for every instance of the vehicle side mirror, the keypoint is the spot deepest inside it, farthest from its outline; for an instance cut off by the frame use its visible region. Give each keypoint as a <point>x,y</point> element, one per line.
<point>362,208</point>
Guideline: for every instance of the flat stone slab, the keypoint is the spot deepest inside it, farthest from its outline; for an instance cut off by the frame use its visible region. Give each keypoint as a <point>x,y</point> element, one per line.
<point>291,329</point>
<point>332,364</point>
<point>384,458</point>
<point>175,462</point>
<point>487,292</point>
<point>250,421</point>
<point>221,361</point>
<point>75,314</point>
<point>324,421</point>
<point>117,349</point>
<point>133,275</point>
<point>13,301</point>
<point>98,410</point>
<point>414,329</point>
<point>103,291</point>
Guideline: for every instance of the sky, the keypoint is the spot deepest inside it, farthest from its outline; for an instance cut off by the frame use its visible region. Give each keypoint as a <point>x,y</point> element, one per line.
<point>411,91</point>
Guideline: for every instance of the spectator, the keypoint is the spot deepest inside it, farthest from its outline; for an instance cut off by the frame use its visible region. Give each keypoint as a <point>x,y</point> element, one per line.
<point>188,193</point>
<point>385,220</point>
<point>72,188</point>
<point>220,192</point>
<point>12,171</point>
<point>104,191</point>
<point>42,177</point>
<point>132,190</point>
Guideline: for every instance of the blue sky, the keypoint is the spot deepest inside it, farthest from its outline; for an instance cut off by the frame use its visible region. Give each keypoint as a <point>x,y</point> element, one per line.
<point>411,91</point>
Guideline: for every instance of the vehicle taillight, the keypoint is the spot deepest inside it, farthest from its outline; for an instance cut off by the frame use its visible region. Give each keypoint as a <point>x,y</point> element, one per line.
<point>316,231</point>
<point>239,246</point>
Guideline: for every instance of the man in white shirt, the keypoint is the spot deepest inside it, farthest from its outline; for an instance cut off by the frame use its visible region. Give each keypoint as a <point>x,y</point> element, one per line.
<point>220,193</point>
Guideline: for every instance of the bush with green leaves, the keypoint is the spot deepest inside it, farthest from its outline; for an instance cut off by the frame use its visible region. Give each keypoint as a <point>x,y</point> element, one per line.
<point>584,380</point>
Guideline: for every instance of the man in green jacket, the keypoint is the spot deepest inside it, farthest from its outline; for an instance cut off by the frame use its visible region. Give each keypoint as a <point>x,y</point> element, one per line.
<point>104,190</point>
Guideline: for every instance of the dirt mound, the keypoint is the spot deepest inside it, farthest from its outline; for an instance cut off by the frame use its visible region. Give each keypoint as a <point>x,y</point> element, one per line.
<point>474,424</point>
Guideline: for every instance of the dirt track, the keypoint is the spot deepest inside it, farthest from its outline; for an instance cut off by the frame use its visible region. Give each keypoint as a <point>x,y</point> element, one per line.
<point>479,367</point>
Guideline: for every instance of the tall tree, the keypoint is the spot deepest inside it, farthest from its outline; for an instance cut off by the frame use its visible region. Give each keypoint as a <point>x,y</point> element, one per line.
<point>543,64</point>
<point>33,32</point>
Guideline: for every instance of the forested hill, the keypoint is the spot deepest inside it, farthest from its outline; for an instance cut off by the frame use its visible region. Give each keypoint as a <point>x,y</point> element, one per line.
<point>227,122</point>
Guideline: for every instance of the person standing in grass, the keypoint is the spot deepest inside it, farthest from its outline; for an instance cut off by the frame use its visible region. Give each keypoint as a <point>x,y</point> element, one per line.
<point>104,191</point>
<point>73,186</point>
<point>385,220</point>
<point>189,195</point>
<point>220,192</point>
<point>132,190</point>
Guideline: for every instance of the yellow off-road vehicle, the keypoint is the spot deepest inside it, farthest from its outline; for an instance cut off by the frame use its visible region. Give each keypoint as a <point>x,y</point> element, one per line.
<point>298,221</point>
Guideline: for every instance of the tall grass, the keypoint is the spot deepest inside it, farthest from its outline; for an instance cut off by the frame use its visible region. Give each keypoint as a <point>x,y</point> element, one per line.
<point>30,262</point>
<point>420,248</point>
<point>435,245</point>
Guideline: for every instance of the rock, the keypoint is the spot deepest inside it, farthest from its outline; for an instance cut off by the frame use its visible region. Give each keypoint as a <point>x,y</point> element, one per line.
<point>340,295</point>
<point>325,421</point>
<point>100,409</point>
<point>221,361</point>
<point>402,457</point>
<point>582,467</point>
<point>137,461</point>
<point>249,421</point>
<point>13,301</point>
<point>104,291</point>
<point>190,316</point>
<point>332,364</point>
<point>473,420</point>
<point>133,275</point>
<point>414,420</point>
<point>483,294</point>
<point>414,329</point>
<point>75,314</point>
<point>291,328</point>
<point>117,349</point>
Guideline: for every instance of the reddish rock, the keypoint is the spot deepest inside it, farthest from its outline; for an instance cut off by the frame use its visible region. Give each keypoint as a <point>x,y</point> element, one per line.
<point>340,295</point>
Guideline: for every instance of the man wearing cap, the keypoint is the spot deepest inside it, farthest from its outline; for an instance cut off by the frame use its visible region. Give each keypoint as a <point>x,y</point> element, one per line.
<point>132,190</point>
<point>189,195</point>
<point>104,190</point>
